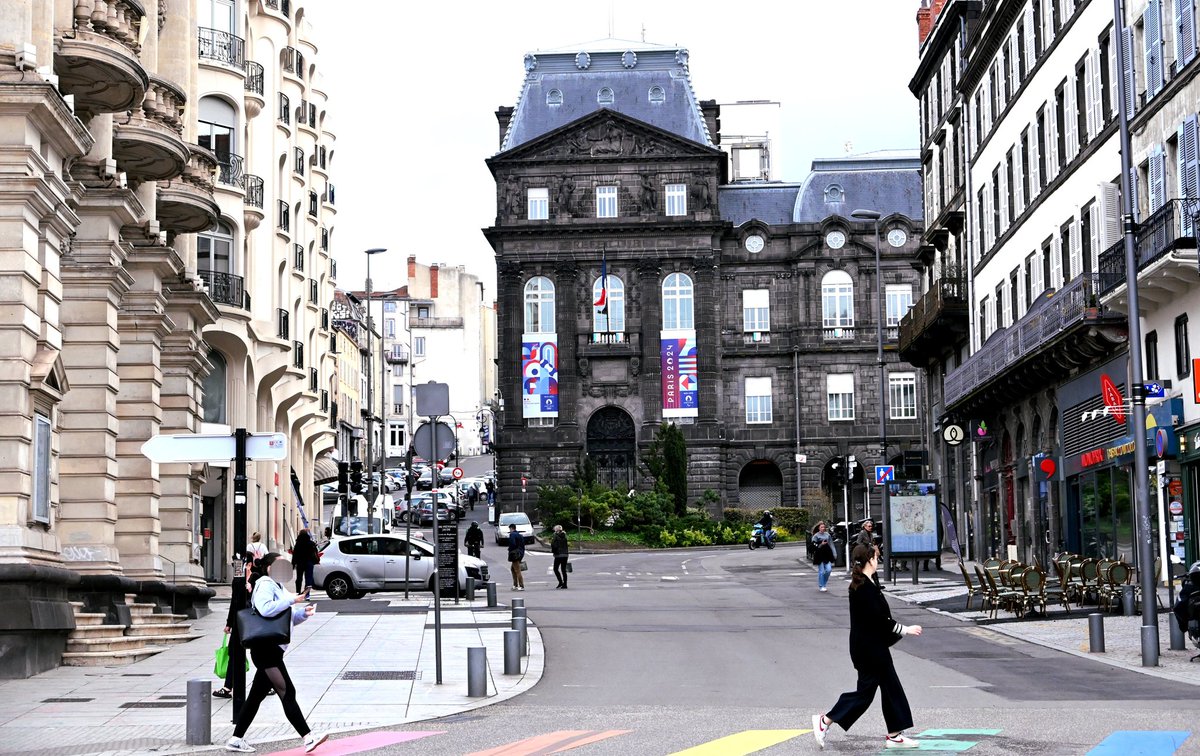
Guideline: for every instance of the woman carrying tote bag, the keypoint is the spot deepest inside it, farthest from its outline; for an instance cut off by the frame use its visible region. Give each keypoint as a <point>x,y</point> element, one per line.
<point>270,600</point>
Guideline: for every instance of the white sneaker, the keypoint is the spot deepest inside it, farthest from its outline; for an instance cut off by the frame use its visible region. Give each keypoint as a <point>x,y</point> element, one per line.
<point>823,589</point>
<point>902,741</point>
<point>313,740</point>
<point>819,729</point>
<point>238,745</point>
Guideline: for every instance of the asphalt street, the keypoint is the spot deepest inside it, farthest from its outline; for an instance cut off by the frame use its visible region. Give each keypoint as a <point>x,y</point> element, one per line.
<point>660,652</point>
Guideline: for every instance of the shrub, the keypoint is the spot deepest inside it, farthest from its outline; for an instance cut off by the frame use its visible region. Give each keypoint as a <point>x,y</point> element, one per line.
<point>794,519</point>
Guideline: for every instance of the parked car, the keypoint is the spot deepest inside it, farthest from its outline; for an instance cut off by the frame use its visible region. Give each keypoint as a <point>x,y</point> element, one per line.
<point>424,513</point>
<point>446,475</point>
<point>521,520</point>
<point>425,479</point>
<point>354,567</point>
<point>444,500</point>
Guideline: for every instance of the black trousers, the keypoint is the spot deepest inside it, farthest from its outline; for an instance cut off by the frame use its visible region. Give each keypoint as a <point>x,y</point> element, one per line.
<point>560,569</point>
<point>270,673</point>
<point>853,704</point>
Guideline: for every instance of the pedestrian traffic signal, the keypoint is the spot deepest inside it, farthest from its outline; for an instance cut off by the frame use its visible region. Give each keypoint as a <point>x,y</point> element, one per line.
<point>356,477</point>
<point>343,479</point>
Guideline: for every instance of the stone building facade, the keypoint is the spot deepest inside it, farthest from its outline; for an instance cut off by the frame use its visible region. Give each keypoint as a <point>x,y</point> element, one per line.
<point>637,285</point>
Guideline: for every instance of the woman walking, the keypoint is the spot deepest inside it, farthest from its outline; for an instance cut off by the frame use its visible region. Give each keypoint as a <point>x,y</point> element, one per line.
<point>823,554</point>
<point>561,552</point>
<point>269,598</point>
<point>872,633</point>
<point>304,559</point>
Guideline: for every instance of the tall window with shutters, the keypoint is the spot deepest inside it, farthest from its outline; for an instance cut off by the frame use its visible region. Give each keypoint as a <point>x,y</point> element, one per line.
<point>1081,103</point>
<point>1189,165</point>
<point>1128,73</point>
<point>1056,269</point>
<point>1156,171</point>
<point>1152,49</point>
<point>1185,32</point>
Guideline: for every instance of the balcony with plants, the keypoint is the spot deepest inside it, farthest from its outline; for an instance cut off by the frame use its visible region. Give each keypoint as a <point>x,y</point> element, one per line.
<point>936,322</point>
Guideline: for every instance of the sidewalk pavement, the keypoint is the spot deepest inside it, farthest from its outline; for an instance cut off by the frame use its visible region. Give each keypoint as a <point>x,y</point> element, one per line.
<point>140,708</point>
<point>944,593</point>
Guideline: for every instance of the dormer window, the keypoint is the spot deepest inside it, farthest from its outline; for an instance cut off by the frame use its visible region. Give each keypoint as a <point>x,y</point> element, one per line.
<point>554,97</point>
<point>605,96</point>
<point>834,193</point>
<point>657,95</point>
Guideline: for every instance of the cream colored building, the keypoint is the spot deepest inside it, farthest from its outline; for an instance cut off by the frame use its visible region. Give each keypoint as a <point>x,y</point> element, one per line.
<point>159,220</point>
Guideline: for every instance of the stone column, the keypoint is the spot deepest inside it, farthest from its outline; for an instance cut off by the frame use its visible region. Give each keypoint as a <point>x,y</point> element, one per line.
<point>566,285</point>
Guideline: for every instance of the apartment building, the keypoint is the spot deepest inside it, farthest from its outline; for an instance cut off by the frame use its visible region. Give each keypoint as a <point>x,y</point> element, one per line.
<point>134,228</point>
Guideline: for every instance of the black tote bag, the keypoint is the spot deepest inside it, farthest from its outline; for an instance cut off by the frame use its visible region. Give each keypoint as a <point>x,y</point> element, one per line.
<point>257,630</point>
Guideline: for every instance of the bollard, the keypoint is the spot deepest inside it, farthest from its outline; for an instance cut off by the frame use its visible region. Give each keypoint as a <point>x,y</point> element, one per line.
<point>491,594</point>
<point>1178,640</point>
<point>519,611</point>
<point>516,602</point>
<point>512,652</point>
<point>199,712</point>
<point>1096,633</point>
<point>1149,645</point>
<point>1127,609</point>
<point>470,589</point>
<point>477,672</point>
<point>521,625</point>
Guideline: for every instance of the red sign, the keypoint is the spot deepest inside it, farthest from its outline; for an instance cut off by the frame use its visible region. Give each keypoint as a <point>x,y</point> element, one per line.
<point>1175,487</point>
<point>1196,380</point>
<point>1093,457</point>
<point>1048,467</point>
<point>1112,399</point>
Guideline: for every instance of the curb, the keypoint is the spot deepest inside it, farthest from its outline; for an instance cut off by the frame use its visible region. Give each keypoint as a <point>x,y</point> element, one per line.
<point>672,549</point>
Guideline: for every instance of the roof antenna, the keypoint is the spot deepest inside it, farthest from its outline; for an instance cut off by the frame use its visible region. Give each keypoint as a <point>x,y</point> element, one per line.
<point>643,31</point>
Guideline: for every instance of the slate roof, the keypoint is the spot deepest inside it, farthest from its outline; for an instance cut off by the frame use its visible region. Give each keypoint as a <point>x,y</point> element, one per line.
<point>770,203</point>
<point>580,72</point>
<point>888,182</point>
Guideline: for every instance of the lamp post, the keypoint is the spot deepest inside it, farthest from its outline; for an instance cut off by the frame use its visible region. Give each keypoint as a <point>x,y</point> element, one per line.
<point>1137,390</point>
<point>371,395</point>
<point>874,217</point>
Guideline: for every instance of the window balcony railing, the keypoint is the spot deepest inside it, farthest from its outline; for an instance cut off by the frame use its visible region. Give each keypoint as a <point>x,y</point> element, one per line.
<point>892,333</point>
<point>321,158</point>
<point>613,343</point>
<point>333,268</point>
<point>285,109</point>
<point>298,257</point>
<point>1171,227</point>
<point>312,204</point>
<point>608,337</point>
<point>288,60</point>
<point>397,408</point>
<point>838,333</point>
<point>329,195</point>
<point>253,186</point>
<point>325,239</point>
<point>222,47</point>
<point>313,291</point>
<point>324,319</point>
<point>229,171</point>
<point>254,77</point>
<point>285,216</point>
<point>333,414</point>
<point>435,323</point>
<point>285,325</point>
<point>298,354</point>
<point>324,400</point>
<point>314,379</point>
<point>398,354</point>
<point>225,288</point>
<point>298,161</point>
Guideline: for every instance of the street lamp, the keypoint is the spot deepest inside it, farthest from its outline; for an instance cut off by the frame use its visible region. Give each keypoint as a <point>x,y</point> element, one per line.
<point>874,217</point>
<point>371,396</point>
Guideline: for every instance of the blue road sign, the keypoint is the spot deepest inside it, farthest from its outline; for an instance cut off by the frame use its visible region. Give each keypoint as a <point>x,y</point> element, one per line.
<point>1154,390</point>
<point>884,473</point>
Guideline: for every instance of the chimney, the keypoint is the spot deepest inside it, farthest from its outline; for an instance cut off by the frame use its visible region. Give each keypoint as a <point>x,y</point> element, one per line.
<point>924,21</point>
<point>712,118</point>
<point>412,267</point>
<point>503,115</point>
<point>433,280</point>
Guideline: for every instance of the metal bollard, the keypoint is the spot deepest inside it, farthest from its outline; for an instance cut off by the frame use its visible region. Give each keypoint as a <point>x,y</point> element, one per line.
<point>470,589</point>
<point>1127,609</point>
<point>199,712</point>
<point>1149,645</point>
<point>521,625</point>
<point>512,652</point>
<point>519,611</point>
<point>1178,640</point>
<point>1096,633</point>
<point>491,594</point>
<point>477,672</point>
<point>515,602</point>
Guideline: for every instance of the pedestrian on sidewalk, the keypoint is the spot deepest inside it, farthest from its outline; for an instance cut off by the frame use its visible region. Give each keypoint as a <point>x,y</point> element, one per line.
<point>872,633</point>
<point>270,598</point>
<point>473,496</point>
<point>304,558</point>
<point>866,537</point>
<point>256,549</point>
<point>473,540</point>
<point>558,547</point>
<point>516,555</point>
<point>823,554</point>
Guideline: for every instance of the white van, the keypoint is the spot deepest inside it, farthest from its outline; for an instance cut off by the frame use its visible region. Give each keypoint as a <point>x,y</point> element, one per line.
<point>361,524</point>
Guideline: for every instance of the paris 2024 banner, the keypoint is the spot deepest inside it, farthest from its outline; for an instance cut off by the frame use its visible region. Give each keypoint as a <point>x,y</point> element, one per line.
<point>680,385</point>
<point>539,371</point>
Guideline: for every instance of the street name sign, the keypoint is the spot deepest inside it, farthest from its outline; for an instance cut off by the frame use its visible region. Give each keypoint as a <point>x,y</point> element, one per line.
<point>196,447</point>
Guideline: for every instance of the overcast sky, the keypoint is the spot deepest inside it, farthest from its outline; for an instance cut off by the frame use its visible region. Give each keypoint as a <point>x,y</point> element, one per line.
<point>413,88</point>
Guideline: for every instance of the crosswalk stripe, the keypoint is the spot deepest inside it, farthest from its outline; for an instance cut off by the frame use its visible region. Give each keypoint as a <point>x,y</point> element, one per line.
<point>1142,742</point>
<point>363,743</point>
<point>592,739</point>
<point>742,743</point>
<point>533,745</point>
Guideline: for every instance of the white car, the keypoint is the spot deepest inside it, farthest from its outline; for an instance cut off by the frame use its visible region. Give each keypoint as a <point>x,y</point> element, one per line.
<point>521,520</point>
<point>354,567</point>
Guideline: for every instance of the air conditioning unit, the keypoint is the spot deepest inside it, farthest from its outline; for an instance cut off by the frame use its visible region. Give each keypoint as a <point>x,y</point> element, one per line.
<point>109,169</point>
<point>26,57</point>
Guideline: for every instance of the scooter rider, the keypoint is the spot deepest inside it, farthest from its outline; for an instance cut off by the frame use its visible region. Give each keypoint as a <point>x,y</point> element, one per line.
<point>766,521</point>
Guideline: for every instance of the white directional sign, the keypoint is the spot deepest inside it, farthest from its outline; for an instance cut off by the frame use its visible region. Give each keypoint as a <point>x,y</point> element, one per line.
<point>194,447</point>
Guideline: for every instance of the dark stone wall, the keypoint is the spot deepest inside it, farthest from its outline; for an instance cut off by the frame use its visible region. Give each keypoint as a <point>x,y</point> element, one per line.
<point>35,618</point>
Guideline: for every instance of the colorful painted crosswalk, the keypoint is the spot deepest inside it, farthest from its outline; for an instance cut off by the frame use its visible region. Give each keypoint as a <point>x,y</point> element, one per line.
<point>1141,743</point>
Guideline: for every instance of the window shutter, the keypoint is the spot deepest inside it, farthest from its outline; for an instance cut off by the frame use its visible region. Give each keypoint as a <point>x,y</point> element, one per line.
<point>1051,142</point>
<point>1097,94</point>
<point>1152,40</point>
<point>1018,188</point>
<point>1030,51</point>
<point>1109,206</point>
<point>1076,251</point>
<point>1189,165</point>
<point>1185,37</point>
<point>1133,193</point>
<point>1056,271</point>
<point>1071,120</point>
<point>1003,181</point>
<point>1128,79</point>
<point>1089,72</point>
<point>1095,247</point>
<point>1035,180</point>
<point>1158,178</point>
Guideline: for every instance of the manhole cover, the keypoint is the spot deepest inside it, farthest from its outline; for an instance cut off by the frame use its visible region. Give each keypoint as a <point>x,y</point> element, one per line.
<point>382,674</point>
<point>153,705</point>
<point>67,700</point>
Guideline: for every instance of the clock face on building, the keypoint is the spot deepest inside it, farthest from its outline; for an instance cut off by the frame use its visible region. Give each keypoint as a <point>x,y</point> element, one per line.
<point>896,237</point>
<point>754,243</point>
<point>835,240</point>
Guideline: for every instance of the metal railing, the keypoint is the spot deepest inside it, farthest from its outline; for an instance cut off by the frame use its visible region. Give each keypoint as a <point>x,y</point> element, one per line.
<point>253,186</point>
<point>324,400</point>
<point>930,306</point>
<point>285,324</point>
<point>435,323</point>
<point>298,354</point>
<point>222,47</point>
<point>1073,304</point>
<point>289,59</point>
<point>333,268</point>
<point>229,169</point>
<point>285,109</point>
<point>312,204</point>
<point>298,160</point>
<point>398,353</point>
<point>298,256</point>
<point>224,288</point>
<point>254,77</point>
<point>313,379</point>
<point>285,216</point>
<point>325,239</point>
<point>608,337</point>
<point>329,195</point>
<point>1171,227</point>
<point>313,291</point>
<point>324,319</point>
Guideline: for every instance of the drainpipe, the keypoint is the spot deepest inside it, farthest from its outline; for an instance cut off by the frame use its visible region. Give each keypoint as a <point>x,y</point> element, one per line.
<point>796,412</point>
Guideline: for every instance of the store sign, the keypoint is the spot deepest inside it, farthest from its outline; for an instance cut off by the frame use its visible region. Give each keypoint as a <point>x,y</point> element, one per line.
<point>1112,398</point>
<point>1196,380</point>
<point>1159,433</point>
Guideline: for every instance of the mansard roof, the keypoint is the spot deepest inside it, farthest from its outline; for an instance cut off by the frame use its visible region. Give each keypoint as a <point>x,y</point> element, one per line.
<point>770,203</point>
<point>650,83</point>
<point>887,181</point>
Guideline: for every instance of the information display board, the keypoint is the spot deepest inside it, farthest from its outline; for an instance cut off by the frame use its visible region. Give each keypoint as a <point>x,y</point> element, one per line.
<point>447,562</point>
<point>913,529</point>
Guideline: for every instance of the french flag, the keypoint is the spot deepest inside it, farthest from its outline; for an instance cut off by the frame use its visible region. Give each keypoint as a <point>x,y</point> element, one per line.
<point>602,301</point>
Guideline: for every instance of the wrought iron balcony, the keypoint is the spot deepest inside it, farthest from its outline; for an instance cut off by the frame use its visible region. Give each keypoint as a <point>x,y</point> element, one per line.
<point>230,172</point>
<point>324,400</point>
<point>937,322</point>
<point>314,379</point>
<point>285,325</point>
<point>285,216</point>
<point>254,77</point>
<point>285,109</point>
<point>313,291</point>
<point>435,322</point>
<point>1170,229</point>
<point>298,354</point>
<point>398,354</point>
<point>610,343</point>
<point>225,288</point>
<point>298,257</point>
<point>222,47</point>
<point>1062,330</point>
<point>253,186</point>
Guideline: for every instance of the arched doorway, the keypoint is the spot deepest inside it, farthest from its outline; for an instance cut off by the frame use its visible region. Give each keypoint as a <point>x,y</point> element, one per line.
<point>612,447</point>
<point>760,485</point>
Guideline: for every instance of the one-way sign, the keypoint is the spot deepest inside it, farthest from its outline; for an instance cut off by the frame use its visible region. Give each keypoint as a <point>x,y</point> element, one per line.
<point>196,447</point>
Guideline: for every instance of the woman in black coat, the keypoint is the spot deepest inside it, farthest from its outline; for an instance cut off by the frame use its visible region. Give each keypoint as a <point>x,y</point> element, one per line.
<point>872,633</point>
<point>304,559</point>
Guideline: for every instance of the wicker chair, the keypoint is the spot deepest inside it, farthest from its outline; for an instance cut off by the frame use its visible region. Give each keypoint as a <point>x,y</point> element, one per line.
<point>971,589</point>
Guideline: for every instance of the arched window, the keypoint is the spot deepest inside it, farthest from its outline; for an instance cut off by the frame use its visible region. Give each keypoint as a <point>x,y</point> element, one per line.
<point>677,302</point>
<point>554,97</point>
<point>608,308</point>
<point>214,389</point>
<point>539,305</point>
<point>214,249</point>
<point>837,303</point>
<point>605,96</point>
<point>217,126</point>
<point>657,95</point>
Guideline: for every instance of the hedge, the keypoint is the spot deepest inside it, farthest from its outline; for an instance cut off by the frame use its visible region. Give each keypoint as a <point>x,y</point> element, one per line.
<point>794,519</point>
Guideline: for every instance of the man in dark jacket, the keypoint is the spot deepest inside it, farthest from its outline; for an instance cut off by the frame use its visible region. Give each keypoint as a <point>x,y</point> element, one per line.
<point>304,558</point>
<point>473,540</point>
<point>516,555</point>
<point>473,496</point>
<point>558,547</point>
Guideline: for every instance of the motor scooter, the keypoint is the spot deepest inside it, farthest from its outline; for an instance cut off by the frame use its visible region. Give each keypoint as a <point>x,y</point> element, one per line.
<point>757,537</point>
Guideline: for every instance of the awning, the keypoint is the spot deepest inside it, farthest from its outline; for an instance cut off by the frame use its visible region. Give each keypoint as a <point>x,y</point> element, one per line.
<point>325,470</point>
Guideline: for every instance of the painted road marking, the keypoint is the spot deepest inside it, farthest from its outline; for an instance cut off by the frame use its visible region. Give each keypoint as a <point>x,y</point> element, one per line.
<point>592,739</point>
<point>534,745</point>
<point>1140,743</point>
<point>749,741</point>
<point>363,743</point>
<point>944,733</point>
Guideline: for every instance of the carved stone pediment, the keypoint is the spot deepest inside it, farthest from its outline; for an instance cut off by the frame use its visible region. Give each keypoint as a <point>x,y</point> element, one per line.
<point>606,134</point>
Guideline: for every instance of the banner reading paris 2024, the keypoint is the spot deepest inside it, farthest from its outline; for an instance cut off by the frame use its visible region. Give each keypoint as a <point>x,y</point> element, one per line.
<point>539,375</point>
<point>680,388</point>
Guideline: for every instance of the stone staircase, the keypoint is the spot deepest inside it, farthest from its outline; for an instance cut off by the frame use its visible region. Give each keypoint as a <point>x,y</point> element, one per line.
<point>95,644</point>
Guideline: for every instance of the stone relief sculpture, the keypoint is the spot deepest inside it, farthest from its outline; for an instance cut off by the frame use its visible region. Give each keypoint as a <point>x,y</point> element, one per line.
<point>701,197</point>
<point>648,194</point>
<point>566,198</point>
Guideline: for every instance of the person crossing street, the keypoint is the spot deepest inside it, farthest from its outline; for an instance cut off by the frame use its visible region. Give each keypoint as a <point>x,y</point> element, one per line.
<point>516,556</point>
<point>559,548</point>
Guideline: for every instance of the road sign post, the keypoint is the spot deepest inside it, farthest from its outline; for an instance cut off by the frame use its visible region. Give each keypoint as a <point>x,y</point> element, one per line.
<point>433,401</point>
<point>237,652</point>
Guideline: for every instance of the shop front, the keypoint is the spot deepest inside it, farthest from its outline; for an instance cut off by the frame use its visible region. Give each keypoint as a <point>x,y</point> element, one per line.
<point>1184,490</point>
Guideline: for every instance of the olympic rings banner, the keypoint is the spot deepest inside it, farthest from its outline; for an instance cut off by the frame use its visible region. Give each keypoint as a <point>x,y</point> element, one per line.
<point>539,375</point>
<point>680,389</point>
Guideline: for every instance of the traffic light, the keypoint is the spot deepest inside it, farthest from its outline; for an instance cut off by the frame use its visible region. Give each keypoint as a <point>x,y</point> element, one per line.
<point>343,479</point>
<point>356,478</point>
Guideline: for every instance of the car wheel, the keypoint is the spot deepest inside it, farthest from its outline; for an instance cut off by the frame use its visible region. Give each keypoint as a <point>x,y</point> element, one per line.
<point>338,587</point>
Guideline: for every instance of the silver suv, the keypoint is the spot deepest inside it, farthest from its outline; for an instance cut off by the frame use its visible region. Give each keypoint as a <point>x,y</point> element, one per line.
<point>354,567</point>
